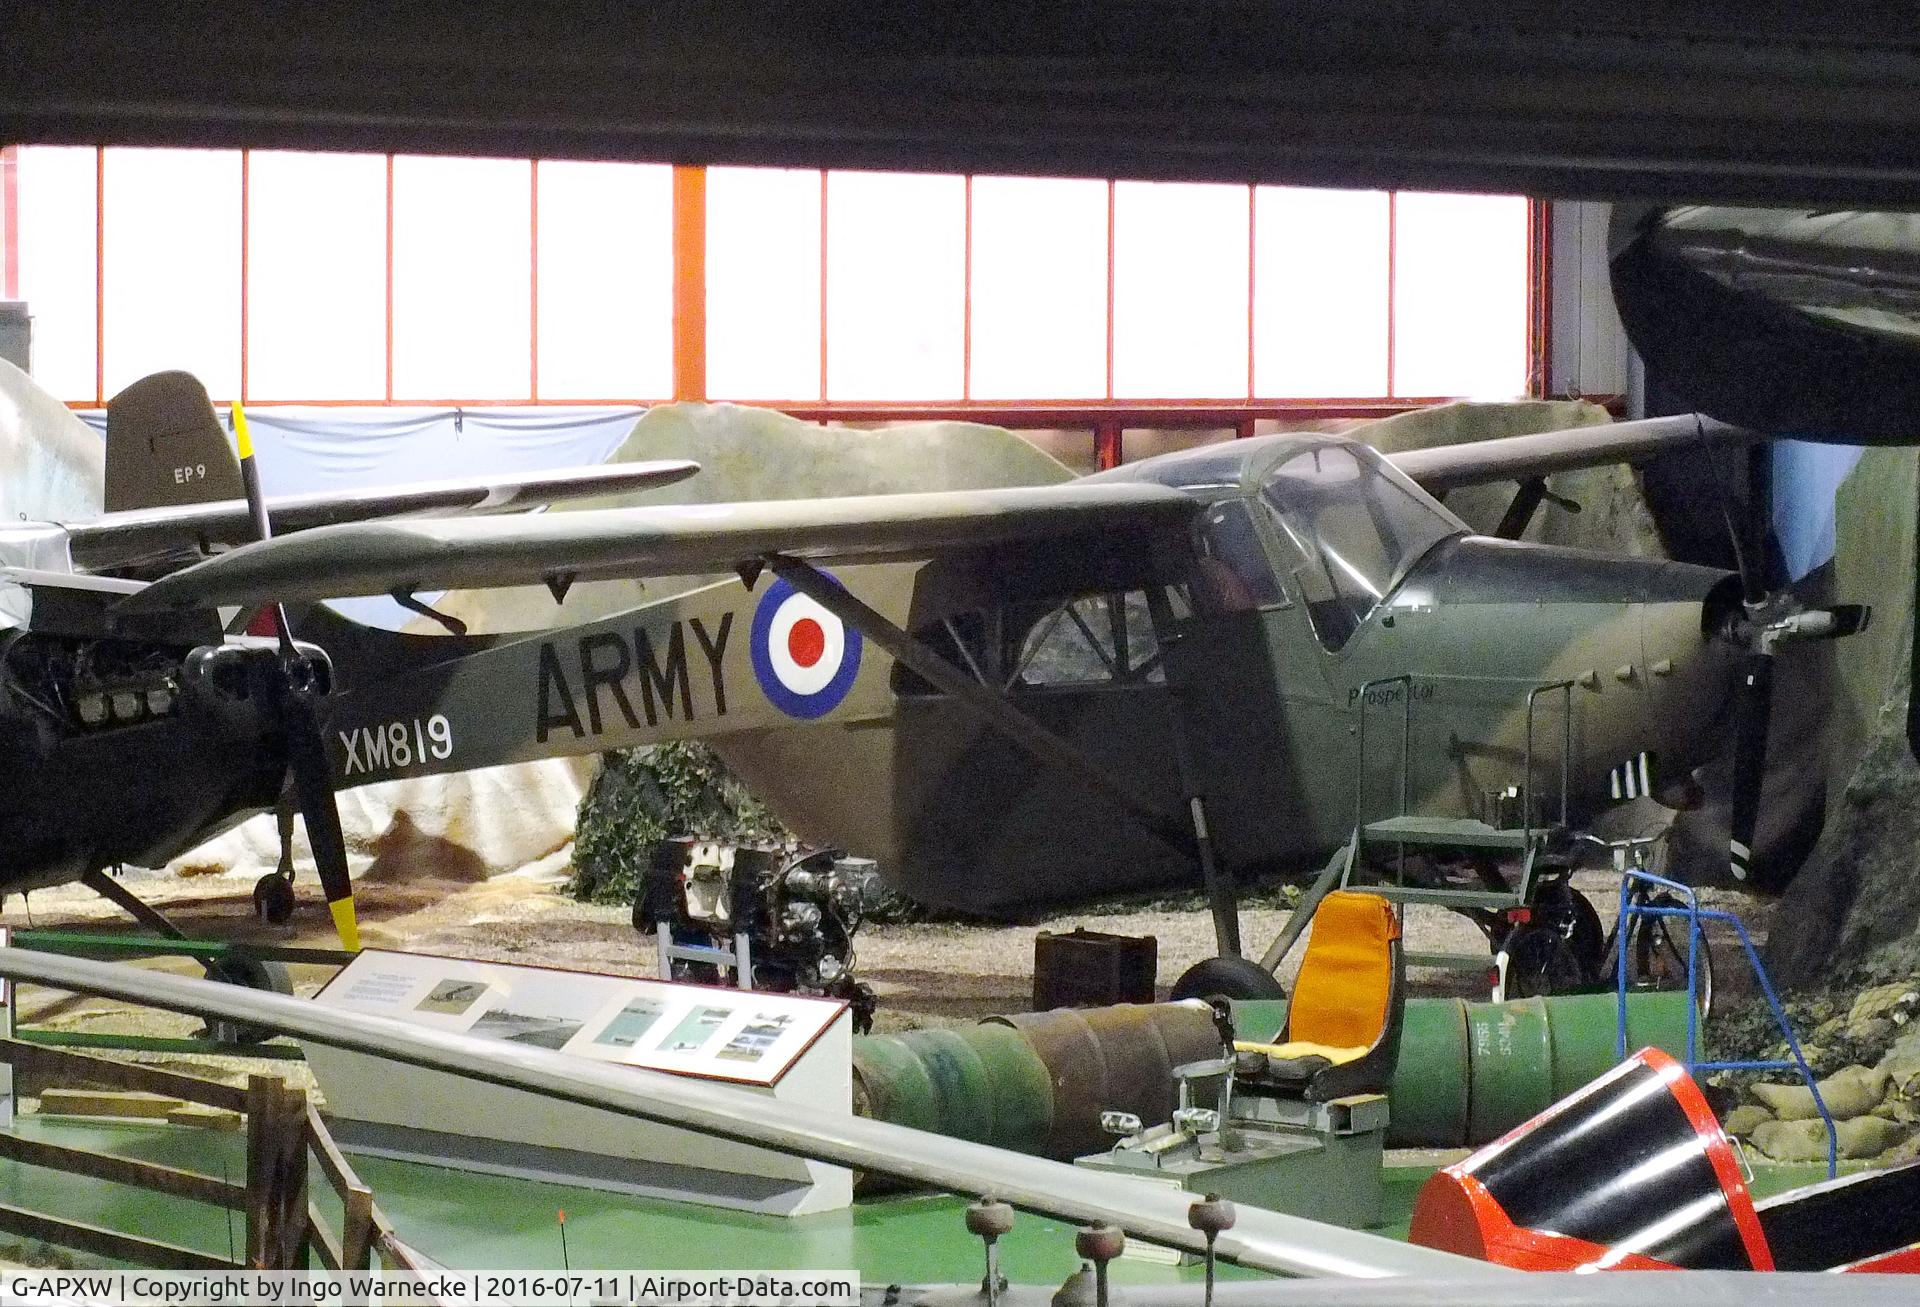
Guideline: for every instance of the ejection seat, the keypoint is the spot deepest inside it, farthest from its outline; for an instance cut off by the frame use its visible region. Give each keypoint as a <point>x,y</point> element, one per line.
<point>1342,1033</point>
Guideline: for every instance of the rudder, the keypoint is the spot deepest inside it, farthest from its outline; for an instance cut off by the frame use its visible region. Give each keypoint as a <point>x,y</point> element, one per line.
<point>165,446</point>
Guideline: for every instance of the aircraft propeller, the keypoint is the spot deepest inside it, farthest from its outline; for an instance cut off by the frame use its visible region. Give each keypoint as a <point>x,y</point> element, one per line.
<point>295,697</point>
<point>1766,621</point>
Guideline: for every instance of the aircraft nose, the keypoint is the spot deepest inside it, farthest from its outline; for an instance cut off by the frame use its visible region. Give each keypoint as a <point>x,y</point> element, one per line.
<point>1692,666</point>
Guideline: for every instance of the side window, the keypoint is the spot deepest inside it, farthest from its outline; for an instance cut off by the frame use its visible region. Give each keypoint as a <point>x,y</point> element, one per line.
<point>1233,573</point>
<point>1104,639</point>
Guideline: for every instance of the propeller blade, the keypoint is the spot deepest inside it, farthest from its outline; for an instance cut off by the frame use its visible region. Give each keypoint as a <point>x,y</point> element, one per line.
<point>313,784</point>
<point>257,506</point>
<point>301,726</point>
<point>1751,708</point>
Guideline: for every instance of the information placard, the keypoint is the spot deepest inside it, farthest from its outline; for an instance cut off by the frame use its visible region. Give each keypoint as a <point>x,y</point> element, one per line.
<point>790,1047</point>
<point>692,1030</point>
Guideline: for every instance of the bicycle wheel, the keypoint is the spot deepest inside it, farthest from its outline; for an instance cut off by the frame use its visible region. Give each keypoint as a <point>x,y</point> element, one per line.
<point>1542,961</point>
<point>1657,955</point>
<point>1561,948</point>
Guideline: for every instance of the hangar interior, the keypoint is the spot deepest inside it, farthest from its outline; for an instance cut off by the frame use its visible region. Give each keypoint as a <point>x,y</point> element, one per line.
<point>1023,609</point>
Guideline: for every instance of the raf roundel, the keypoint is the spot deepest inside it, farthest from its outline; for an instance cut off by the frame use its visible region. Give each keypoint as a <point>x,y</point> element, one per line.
<point>804,657</point>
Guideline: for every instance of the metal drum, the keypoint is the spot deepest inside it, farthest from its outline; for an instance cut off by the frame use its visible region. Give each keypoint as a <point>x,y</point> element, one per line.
<point>1510,1066</point>
<point>1428,1096</point>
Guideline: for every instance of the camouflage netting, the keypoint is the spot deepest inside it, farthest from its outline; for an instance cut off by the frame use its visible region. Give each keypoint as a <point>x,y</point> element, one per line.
<point>643,795</point>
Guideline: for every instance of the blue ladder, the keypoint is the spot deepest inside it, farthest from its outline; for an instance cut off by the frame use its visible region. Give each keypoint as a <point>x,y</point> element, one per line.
<point>1695,916</point>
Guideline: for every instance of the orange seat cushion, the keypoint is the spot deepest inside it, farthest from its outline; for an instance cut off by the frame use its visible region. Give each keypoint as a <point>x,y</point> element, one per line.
<point>1340,999</point>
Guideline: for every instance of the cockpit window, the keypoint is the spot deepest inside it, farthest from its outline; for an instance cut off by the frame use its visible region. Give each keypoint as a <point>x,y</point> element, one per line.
<point>1356,528</point>
<point>1233,574</point>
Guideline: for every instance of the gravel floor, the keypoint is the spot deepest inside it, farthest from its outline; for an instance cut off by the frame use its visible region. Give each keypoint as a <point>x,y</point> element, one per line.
<point>927,974</point>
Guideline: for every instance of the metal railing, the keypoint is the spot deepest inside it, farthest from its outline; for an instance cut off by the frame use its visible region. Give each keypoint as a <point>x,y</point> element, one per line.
<point>1405,680</point>
<point>1694,916</point>
<point>1566,749</point>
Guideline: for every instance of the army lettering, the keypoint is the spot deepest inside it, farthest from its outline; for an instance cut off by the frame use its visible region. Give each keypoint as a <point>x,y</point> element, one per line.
<point>613,680</point>
<point>395,746</point>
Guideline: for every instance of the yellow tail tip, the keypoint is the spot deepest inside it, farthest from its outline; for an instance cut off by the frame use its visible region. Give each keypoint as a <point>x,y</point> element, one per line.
<point>240,434</point>
<point>346,923</point>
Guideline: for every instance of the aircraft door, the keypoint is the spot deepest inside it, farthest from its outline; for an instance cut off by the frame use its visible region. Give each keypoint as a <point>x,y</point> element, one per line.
<point>1258,701</point>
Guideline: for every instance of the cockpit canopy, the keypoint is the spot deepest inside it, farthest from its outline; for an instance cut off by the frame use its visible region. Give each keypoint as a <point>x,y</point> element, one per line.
<point>1325,522</point>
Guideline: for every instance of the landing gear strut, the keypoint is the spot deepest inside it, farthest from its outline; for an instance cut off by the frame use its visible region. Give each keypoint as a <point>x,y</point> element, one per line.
<point>254,973</point>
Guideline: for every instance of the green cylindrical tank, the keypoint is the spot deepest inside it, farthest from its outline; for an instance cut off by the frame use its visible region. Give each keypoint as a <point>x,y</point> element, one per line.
<point>1470,1072</point>
<point>1427,1101</point>
<point>1037,1082</point>
<point>981,1082</point>
<point>1509,1066</point>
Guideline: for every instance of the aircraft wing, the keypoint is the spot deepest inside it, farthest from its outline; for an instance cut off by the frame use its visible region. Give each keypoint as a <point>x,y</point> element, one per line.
<point>1520,458</point>
<point>381,557</point>
<point>118,539</point>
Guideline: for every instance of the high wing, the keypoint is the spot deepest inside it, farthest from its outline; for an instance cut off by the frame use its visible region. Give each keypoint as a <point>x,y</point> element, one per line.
<point>137,535</point>
<point>382,557</point>
<point>1522,458</point>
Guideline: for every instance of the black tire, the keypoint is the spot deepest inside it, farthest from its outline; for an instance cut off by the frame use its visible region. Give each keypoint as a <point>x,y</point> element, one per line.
<point>273,977</point>
<point>1589,938</point>
<point>1542,961</point>
<point>273,899</point>
<point>1225,977</point>
<point>1560,950</point>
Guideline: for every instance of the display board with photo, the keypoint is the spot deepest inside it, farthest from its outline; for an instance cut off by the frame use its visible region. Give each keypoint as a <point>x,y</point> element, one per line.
<point>685,1029</point>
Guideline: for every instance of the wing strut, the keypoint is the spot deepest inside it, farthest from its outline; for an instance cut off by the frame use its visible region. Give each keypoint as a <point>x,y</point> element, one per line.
<point>1223,895</point>
<point>1035,740</point>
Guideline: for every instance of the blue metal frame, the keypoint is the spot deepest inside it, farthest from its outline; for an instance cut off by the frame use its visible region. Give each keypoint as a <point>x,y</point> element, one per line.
<point>1695,915</point>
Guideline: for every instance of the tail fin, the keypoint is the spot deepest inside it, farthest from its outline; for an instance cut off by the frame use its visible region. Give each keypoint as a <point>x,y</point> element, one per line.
<point>165,446</point>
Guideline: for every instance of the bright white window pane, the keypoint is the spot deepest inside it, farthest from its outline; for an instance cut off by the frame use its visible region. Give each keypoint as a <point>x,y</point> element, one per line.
<point>896,286</point>
<point>1460,296</point>
<point>462,278</point>
<point>1039,288</point>
<point>606,281</point>
<point>1319,293</point>
<point>316,276</point>
<point>763,283</point>
<point>58,231</point>
<point>172,266</point>
<point>1179,291</point>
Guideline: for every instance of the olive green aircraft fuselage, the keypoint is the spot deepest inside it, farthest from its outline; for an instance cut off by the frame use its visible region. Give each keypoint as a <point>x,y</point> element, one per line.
<point>1333,647</point>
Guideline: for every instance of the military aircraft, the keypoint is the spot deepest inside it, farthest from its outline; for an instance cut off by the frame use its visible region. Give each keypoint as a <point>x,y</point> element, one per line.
<point>1193,668</point>
<point>131,739</point>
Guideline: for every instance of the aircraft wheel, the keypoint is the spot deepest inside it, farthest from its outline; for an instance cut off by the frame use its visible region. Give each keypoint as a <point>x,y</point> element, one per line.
<point>273,898</point>
<point>1225,977</point>
<point>273,977</point>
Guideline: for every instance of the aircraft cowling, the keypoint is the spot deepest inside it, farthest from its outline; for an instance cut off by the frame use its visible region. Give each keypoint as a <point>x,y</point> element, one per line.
<point>1634,635</point>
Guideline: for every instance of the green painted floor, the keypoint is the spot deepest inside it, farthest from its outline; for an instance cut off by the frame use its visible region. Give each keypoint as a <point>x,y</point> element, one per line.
<point>467,1220</point>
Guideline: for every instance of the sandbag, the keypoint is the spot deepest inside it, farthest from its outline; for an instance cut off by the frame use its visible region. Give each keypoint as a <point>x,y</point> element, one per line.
<point>1850,1092</point>
<point>1806,1141</point>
